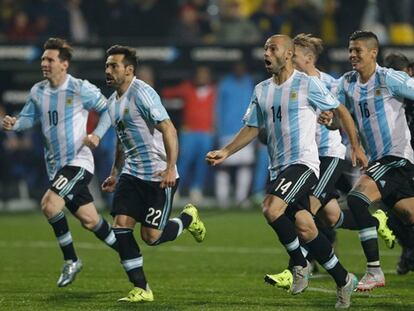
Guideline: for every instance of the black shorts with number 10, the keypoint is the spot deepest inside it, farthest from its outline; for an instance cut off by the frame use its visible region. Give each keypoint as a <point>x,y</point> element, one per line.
<point>71,183</point>
<point>293,185</point>
<point>143,200</point>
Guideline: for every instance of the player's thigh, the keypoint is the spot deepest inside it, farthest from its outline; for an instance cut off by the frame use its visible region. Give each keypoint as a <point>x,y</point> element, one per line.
<point>405,208</point>
<point>273,207</point>
<point>330,213</point>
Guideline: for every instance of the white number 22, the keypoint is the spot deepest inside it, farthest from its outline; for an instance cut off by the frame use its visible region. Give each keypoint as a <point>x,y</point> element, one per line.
<point>155,214</point>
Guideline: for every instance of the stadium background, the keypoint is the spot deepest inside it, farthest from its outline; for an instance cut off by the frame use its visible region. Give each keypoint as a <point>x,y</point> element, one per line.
<point>172,38</point>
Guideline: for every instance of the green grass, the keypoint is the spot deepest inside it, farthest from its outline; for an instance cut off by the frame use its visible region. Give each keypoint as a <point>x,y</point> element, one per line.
<point>223,273</point>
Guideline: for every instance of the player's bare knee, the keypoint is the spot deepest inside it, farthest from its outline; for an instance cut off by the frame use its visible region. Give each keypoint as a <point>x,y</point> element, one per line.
<point>48,207</point>
<point>89,223</point>
<point>270,212</point>
<point>150,237</point>
<point>307,232</point>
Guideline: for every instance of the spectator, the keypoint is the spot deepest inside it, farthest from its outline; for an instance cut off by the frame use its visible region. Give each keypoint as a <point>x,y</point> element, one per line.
<point>78,26</point>
<point>234,28</point>
<point>268,19</point>
<point>233,97</point>
<point>20,28</point>
<point>196,136</point>
<point>189,28</point>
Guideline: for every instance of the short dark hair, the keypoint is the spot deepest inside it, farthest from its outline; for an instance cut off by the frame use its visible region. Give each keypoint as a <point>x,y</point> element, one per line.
<point>130,54</point>
<point>396,61</point>
<point>365,35</point>
<point>64,48</point>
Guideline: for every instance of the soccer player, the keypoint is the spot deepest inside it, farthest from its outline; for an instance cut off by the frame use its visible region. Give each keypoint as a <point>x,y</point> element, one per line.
<point>147,151</point>
<point>61,103</point>
<point>405,236</point>
<point>285,105</point>
<point>323,203</point>
<point>375,97</point>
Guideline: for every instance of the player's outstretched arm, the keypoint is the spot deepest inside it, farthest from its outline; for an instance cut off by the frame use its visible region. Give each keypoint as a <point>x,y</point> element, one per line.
<point>243,137</point>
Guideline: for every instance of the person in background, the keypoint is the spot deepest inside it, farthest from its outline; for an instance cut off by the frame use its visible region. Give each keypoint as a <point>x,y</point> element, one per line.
<point>234,92</point>
<point>196,134</point>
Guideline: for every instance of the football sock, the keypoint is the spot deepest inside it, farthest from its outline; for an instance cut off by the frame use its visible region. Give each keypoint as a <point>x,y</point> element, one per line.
<point>346,221</point>
<point>63,235</point>
<point>325,256</point>
<point>130,255</point>
<point>104,233</point>
<point>172,230</point>
<point>286,233</point>
<point>367,224</point>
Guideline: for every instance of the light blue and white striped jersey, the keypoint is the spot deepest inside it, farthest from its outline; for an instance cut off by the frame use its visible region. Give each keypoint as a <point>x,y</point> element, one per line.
<point>135,115</point>
<point>378,107</point>
<point>63,113</point>
<point>288,113</point>
<point>329,142</point>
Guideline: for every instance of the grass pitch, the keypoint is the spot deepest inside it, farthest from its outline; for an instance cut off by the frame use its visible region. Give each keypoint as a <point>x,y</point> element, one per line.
<point>225,272</point>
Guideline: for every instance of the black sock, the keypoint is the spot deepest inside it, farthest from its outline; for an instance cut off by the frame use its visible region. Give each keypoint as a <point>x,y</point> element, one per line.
<point>62,233</point>
<point>367,225</point>
<point>403,232</point>
<point>131,257</point>
<point>286,233</point>
<point>325,255</point>
<point>346,221</point>
<point>185,219</point>
<point>104,233</point>
<point>172,230</point>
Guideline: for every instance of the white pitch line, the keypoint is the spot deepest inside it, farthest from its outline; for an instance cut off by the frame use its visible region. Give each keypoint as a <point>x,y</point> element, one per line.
<point>178,249</point>
<point>331,291</point>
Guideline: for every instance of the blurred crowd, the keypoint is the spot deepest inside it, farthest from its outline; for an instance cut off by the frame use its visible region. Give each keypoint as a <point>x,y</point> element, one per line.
<point>203,21</point>
<point>206,107</point>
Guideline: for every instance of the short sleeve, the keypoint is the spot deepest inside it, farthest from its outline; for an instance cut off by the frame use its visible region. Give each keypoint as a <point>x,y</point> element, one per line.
<point>319,96</point>
<point>253,116</point>
<point>91,97</point>
<point>149,104</point>
<point>400,83</point>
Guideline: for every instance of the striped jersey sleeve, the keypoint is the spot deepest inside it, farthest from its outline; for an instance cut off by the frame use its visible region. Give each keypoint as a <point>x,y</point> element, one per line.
<point>319,95</point>
<point>91,97</point>
<point>29,115</point>
<point>149,104</point>
<point>400,83</point>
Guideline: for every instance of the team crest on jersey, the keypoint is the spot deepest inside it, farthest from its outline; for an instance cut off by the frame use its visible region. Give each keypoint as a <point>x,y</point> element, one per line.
<point>378,92</point>
<point>293,95</point>
<point>69,101</point>
<point>126,110</point>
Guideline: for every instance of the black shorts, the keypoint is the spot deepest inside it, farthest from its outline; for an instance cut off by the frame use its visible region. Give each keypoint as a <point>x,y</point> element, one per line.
<point>71,184</point>
<point>293,186</point>
<point>330,171</point>
<point>143,200</point>
<point>394,178</point>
